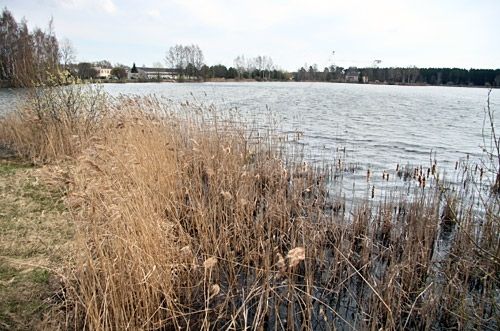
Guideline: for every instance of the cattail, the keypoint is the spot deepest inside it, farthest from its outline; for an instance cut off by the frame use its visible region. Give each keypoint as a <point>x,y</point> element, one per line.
<point>387,176</point>
<point>373,191</point>
<point>397,167</point>
<point>481,173</point>
<point>456,165</point>
<point>214,289</point>
<point>434,169</point>
<point>226,195</point>
<point>295,255</point>
<point>210,262</point>
<point>368,175</point>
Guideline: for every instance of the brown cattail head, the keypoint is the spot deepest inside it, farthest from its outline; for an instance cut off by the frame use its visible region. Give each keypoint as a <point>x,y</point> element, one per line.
<point>296,255</point>
<point>214,290</point>
<point>210,262</point>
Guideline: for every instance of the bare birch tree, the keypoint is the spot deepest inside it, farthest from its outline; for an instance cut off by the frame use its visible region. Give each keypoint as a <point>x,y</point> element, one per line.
<point>67,53</point>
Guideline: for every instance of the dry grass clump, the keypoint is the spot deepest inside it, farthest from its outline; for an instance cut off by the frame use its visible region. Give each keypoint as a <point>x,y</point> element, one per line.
<point>54,122</point>
<point>185,221</point>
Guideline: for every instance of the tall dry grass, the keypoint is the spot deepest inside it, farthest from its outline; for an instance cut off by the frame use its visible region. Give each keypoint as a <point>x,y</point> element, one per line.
<point>187,219</point>
<point>55,122</point>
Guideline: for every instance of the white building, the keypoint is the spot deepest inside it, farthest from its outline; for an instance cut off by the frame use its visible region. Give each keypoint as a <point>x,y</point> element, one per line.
<point>102,72</point>
<point>352,76</point>
<point>152,73</point>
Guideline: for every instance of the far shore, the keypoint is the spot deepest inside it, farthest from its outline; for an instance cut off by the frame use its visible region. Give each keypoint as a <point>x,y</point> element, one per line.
<point>5,85</point>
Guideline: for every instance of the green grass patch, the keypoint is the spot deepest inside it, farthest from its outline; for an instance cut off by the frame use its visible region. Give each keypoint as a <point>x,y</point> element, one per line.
<point>7,273</point>
<point>9,168</point>
<point>22,294</point>
<point>40,276</point>
<point>32,232</point>
<point>44,198</point>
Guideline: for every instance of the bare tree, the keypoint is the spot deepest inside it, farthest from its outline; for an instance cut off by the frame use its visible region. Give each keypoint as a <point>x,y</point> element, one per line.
<point>67,53</point>
<point>26,59</point>
<point>8,45</point>
<point>180,57</point>
<point>175,57</point>
<point>268,65</point>
<point>103,64</point>
<point>198,58</point>
<point>157,65</point>
<point>240,64</point>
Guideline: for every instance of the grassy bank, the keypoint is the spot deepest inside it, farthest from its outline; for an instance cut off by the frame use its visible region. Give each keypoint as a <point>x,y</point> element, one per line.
<point>34,235</point>
<point>185,217</point>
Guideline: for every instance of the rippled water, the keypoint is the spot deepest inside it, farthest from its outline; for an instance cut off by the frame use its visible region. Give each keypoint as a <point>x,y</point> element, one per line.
<point>379,125</point>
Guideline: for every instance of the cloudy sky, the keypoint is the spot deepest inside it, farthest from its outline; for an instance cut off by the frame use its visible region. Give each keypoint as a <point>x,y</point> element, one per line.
<point>424,33</point>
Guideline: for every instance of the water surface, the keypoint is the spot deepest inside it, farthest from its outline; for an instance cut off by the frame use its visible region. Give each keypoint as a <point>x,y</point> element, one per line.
<point>379,126</point>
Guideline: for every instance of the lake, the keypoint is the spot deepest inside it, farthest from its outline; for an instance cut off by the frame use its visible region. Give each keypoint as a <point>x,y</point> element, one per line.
<point>379,126</point>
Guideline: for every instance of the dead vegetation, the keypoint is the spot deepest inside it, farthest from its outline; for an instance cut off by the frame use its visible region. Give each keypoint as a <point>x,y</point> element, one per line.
<point>35,237</point>
<point>184,219</point>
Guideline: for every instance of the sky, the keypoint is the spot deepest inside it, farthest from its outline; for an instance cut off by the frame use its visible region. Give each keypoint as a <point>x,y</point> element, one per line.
<point>423,33</point>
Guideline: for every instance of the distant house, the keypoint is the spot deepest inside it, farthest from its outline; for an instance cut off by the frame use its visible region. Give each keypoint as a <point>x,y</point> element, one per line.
<point>152,73</point>
<point>352,76</point>
<point>102,72</point>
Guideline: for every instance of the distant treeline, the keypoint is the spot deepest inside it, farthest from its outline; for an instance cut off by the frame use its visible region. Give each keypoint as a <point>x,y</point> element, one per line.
<point>411,75</point>
<point>220,71</point>
<point>189,61</point>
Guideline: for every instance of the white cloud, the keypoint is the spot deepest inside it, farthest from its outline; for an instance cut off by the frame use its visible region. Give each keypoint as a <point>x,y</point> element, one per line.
<point>108,6</point>
<point>155,13</point>
<point>103,5</point>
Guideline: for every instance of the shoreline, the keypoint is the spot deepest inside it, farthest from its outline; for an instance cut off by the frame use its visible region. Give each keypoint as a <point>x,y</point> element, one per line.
<point>223,80</point>
<point>4,86</point>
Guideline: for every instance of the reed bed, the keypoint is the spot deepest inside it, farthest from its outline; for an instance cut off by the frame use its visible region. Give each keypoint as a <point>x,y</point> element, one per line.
<point>188,218</point>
